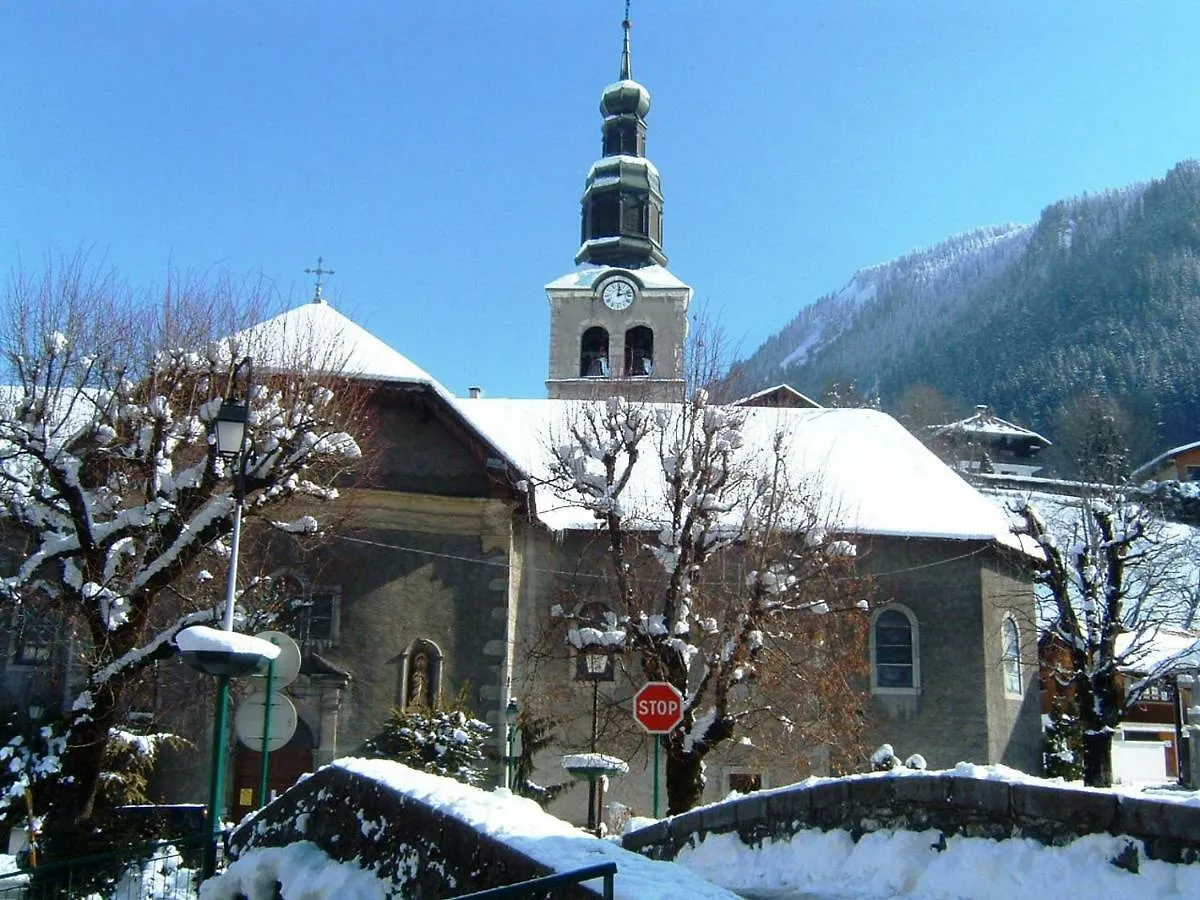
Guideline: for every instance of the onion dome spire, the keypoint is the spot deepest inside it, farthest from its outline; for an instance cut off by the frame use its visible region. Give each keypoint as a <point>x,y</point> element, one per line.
<point>622,202</point>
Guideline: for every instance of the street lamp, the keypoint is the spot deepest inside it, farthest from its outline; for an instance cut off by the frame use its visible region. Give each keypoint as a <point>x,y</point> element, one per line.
<point>224,653</point>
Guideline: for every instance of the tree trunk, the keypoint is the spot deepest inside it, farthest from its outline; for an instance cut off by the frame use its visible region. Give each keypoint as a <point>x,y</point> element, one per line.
<point>71,800</point>
<point>1097,757</point>
<point>685,778</point>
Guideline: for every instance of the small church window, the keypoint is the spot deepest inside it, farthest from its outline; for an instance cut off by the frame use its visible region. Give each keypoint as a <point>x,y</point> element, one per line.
<point>310,615</point>
<point>654,223</point>
<point>33,637</point>
<point>593,353</point>
<point>893,639</point>
<point>605,215</point>
<point>1010,638</point>
<point>745,782</point>
<point>639,351</point>
<point>633,216</point>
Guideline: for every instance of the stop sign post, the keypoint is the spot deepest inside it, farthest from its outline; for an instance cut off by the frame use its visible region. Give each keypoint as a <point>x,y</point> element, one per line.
<point>658,708</point>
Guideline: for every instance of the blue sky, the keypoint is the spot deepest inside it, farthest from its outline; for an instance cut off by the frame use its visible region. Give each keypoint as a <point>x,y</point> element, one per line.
<point>434,152</point>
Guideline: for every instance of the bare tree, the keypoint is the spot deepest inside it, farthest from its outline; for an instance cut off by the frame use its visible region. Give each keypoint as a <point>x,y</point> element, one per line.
<point>1113,578</point>
<point>111,488</point>
<point>721,571</point>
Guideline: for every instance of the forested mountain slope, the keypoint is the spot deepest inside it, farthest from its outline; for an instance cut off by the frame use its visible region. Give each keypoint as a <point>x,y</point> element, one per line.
<point>1101,295</point>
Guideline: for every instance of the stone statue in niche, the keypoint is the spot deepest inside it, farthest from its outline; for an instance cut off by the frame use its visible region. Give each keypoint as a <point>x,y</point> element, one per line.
<point>419,682</point>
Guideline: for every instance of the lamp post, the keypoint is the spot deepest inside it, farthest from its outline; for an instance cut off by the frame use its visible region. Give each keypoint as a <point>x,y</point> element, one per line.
<point>232,432</point>
<point>511,712</point>
<point>596,664</point>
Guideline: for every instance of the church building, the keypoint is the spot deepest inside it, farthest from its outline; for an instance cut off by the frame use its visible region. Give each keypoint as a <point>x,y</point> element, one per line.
<point>454,552</point>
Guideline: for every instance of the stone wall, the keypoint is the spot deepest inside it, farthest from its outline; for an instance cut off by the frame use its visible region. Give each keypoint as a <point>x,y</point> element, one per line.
<point>417,847</point>
<point>949,803</point>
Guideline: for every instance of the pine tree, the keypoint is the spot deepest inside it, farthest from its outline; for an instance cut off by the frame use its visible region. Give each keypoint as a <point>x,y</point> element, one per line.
<point>1063,754</point>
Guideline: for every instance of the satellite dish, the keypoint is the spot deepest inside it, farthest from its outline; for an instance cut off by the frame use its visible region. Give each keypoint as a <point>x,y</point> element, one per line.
<point>287,663</point>
<point>252,715</point>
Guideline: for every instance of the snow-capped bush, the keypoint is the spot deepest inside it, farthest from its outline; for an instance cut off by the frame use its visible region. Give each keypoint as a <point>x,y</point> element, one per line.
<point>438,741</point>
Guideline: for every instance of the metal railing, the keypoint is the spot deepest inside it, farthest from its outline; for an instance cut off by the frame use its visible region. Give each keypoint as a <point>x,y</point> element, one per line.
<point>540,887</point>
<point>161,869</point>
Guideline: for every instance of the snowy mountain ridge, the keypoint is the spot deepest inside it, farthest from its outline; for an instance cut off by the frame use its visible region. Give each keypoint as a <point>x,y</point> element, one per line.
<point>1101,295</point>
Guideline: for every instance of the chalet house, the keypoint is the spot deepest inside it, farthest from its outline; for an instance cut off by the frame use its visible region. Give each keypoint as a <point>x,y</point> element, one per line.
<point>986,444</point>
<point>1149,747</point>
<point>1177,464</point>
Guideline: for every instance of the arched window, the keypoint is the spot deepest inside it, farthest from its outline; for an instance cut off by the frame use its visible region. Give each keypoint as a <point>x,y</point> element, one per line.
<point>639,351</point>
<point>894,659</point>
<point>593,353</point>
<point>1010,649</point>
<point>422,673</point>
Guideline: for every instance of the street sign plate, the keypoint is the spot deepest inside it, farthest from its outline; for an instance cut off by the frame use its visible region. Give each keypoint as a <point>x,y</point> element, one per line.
<point>250,717</point>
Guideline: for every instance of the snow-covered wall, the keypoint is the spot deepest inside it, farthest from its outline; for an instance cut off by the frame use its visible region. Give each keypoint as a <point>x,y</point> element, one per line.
<point>969,801</point>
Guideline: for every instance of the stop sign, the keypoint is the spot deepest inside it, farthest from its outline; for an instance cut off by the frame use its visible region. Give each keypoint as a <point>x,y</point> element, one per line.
<point>658,707</point>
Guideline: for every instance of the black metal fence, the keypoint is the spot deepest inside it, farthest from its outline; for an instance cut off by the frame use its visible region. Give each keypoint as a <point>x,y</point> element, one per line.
<point>546,886</point>
<point>165,870</point>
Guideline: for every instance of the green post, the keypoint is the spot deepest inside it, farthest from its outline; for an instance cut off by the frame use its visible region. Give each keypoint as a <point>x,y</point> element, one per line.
<point>217,775</point>
<point>657,740</point>
<point>266,744</point>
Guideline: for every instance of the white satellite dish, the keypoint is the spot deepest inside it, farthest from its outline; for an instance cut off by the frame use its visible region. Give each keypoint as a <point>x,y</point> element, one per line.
<point>252,716</point>
<point>287,663</point>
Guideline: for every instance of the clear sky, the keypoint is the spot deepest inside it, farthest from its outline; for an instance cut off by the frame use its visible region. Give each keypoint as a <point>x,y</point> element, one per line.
<point>434,152</point>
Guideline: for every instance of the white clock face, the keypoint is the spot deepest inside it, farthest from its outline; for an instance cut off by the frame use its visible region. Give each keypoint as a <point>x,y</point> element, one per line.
<point>618,294</point>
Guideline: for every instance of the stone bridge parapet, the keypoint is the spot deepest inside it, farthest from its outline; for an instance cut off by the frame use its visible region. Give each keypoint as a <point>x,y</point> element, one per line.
<point>423,851</point>
<point>952,803</point>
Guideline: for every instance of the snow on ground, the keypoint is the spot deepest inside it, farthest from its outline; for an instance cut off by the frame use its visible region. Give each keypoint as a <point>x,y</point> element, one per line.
<point>906,865</point>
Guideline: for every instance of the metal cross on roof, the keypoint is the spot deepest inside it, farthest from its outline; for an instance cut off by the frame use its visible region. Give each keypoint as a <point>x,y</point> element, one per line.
<point>319,272</point>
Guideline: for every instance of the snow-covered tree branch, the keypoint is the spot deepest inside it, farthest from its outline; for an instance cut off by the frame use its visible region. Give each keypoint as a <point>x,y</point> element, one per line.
<point>721,565</point>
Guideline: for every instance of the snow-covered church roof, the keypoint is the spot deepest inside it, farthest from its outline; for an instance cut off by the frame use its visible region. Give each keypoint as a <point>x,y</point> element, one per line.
<point>873,477</point>
<point>317,336</point>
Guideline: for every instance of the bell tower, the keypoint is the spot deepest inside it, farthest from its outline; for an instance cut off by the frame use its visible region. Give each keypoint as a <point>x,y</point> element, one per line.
<point>619,320</point>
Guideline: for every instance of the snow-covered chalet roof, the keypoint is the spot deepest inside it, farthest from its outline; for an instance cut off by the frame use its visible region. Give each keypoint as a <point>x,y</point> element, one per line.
<point>586,275</point>
<point>319,337</point>
<point>783,392</point>
<point>1149,468</point>
<point>874,477</point>
<point>984,423</point>
<point>1165,651</point>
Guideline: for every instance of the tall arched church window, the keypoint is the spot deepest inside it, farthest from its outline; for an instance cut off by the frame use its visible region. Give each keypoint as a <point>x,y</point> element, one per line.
<point>895,663</point>
<point>593,353</point>
<point>639,351</point>
<point>309,614</point>
<point>422,675</point>
<point>1010,644</point>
